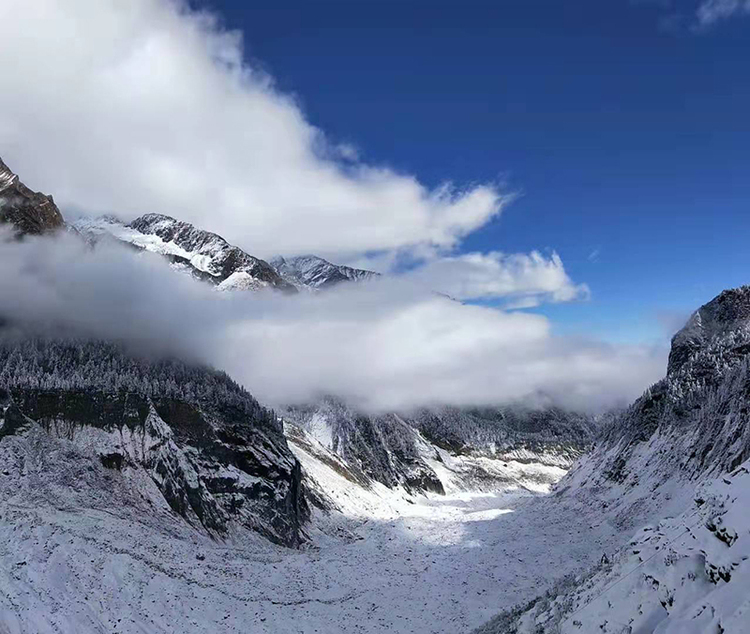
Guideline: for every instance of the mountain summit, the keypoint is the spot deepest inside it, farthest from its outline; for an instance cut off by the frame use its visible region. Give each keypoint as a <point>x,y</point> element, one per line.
<point>29,212</point>
<point>314,273</point>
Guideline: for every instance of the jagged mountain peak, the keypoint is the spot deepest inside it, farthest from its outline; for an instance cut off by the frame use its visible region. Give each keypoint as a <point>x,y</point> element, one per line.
<point>209,257</point>
<point>30,213</point>
<point>677,461</point>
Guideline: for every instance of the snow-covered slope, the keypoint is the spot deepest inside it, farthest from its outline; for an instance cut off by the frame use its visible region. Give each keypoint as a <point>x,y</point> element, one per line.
<point>313,273</point>
<point>218,459</point>
<point>677,462</point>
<point>687,574</point>
<point>209,257</point>
<point>465,446</point>
<point>204,254</point>
<point>27,211</point>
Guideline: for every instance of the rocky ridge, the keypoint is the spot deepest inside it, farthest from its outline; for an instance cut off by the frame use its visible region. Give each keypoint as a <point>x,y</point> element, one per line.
<point>672,471</point>
<point>28,212</point>
<point>205,255</point>
<point>419,451</point>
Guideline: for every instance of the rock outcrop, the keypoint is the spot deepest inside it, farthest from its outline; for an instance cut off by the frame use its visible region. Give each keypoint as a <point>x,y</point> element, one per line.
<point>28,212</point>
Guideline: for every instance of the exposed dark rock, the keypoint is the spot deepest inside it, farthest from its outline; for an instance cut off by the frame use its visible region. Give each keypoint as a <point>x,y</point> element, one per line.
<point>223,259</point>
<point>30,213</point>
<point>394,449</point>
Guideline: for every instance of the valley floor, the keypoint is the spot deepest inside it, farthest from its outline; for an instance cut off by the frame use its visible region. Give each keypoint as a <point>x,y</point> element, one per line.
<point>426,565</point>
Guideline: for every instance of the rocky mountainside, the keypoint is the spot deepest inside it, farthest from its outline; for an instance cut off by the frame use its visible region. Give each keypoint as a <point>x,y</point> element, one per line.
<point>217,458</point>
<point>210,258</point>
<point>203,254</point>
<point>420,450</point>
<point>312,273</point>
<point>676,461</point>
<point>30,213</point>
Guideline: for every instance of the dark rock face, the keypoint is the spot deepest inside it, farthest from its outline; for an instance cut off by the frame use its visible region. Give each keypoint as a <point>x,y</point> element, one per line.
<point>218,462</point>
<point>223,259</point>
<point>30,213</point>
<point>382,448</point>
<point>314,273</point>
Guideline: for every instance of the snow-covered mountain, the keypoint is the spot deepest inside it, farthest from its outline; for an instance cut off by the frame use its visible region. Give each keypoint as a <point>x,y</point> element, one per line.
<point>185,438</point>
<point>313,273</point>
<point>412,450</point>
<point>209,257</point>
<point>27,211</point>
<point>144,495</point>
<point>205,255</point>
<point>677,462</point>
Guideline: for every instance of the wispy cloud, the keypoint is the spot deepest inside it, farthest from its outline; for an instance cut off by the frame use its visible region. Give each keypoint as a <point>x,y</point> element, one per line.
<point>711,11</point>
<point>522,279</point>
<point>697,16</point>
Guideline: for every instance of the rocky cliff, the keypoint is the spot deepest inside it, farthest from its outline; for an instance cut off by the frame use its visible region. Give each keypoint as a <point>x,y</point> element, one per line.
<point>28,212</point>
<point>218,458</point>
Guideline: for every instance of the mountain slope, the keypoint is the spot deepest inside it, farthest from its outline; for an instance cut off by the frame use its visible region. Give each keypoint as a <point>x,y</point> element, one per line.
<point>205,255</point>
<point>30,213</point>
<point>218,459</point>
<point>677,461</point>
<point>429,450</point>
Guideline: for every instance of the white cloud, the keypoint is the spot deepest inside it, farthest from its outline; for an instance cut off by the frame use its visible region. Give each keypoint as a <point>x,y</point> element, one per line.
<point>380,345</point>
<point>141,106</point>
<point>526,280</point>
<point>712,11</point>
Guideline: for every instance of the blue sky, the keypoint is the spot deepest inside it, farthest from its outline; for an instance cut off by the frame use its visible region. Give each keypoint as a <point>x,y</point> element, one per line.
<point>625,129</point>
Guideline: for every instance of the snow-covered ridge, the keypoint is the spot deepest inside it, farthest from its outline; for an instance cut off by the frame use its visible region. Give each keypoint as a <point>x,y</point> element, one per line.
<point>676,461</point>
<point>209,257</point>
<point>415,451</point>
<point>217,457</point>
<point>311,272</point>
<point>687,574</point>
<point>204,254</point>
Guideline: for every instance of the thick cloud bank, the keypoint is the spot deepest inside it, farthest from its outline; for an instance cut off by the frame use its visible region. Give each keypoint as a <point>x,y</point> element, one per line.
<point>382,345</point>
<point>142,105</point>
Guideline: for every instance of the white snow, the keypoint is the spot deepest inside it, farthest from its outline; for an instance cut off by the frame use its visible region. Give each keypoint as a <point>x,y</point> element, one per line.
<point>241,281</point>
<point>7,178</point>
<point>384,562</point>
<point>687,574</point>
